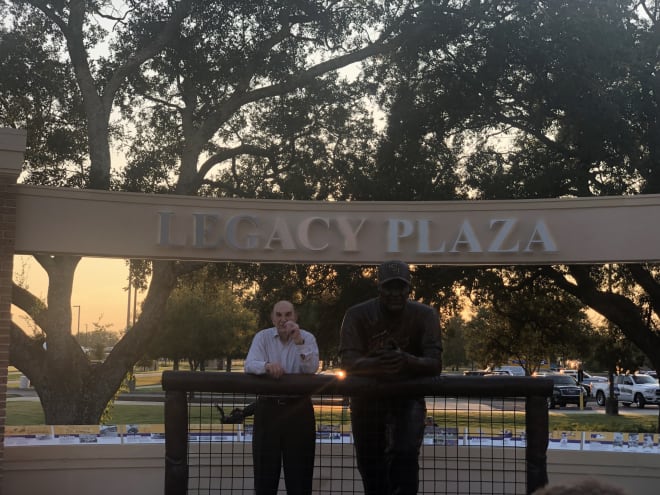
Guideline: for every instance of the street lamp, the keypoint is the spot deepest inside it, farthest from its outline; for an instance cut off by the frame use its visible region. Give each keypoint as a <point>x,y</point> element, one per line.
<point>78,331</point>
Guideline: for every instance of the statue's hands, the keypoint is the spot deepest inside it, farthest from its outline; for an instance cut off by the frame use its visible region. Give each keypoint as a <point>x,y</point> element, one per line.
<point>382,363</point>
<point>390,362</point>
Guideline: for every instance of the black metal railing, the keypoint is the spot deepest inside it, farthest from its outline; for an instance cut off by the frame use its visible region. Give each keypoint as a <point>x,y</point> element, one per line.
<point>485,434</point>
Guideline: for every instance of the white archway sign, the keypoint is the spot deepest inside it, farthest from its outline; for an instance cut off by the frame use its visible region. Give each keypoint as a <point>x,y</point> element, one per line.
<point>134,225</point>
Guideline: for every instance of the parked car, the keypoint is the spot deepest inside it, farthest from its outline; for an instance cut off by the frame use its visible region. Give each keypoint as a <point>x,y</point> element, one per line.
<point>587,379</point>
<point>506,370</point>
<point>565,390</point>
<point>474,372</point>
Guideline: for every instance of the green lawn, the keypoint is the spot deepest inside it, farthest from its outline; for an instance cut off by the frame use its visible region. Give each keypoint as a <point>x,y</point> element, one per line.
<point>30,413</point>
<point>21,413</point>
<point>631,423</point>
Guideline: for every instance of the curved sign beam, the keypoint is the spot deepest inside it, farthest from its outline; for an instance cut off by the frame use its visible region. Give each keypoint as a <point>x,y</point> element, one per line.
<point>134,225</point>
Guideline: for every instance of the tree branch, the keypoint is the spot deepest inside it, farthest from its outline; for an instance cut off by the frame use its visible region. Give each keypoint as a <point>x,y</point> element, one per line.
<point>28,302</point>
<point>228,153</point>
<point>25,353</point>
<point>616,308</point>
<point>145,53</point>
<point>236,101</point>
<point>646,280</point>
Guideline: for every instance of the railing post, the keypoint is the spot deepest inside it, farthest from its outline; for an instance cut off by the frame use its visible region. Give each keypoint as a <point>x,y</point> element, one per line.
<point>537,426</point>
<point>176,443</point>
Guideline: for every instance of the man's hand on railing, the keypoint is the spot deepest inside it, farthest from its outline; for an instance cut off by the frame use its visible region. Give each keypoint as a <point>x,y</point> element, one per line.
<point>276,370</point>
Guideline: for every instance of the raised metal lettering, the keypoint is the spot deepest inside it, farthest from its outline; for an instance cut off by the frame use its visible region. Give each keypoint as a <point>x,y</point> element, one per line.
<point>281,234</point>
<point>423,243</point>
<point>231,232</point>
<point>164,230</point>
<point>541,236</point>
<point>349,234</point>
<point>502,234</point>
<point>204,225</point>
<point>466,237</point>
<point>397,229</point>
<point>303,233</point>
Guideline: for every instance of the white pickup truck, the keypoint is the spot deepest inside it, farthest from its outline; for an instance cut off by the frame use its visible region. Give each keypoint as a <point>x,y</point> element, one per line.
<point>600,391</point>
<point>635,389</point>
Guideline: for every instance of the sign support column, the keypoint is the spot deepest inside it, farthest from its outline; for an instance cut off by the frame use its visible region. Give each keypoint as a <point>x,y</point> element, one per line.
<point>12,149</point>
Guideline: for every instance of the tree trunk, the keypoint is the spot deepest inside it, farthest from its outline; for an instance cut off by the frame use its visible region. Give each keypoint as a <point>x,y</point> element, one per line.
<point>65,404</point>
<point>611,403</point>
<point>611,406</point>
<point>73,390</point>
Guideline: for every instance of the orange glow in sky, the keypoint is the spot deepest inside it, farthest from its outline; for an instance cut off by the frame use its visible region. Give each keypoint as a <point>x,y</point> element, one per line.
<point>99,288</point>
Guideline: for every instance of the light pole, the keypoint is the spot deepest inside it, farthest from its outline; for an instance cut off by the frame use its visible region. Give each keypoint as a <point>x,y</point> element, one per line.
<point>78,330</point>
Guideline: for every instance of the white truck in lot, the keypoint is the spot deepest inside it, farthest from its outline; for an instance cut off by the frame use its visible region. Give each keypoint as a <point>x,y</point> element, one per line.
<point>638,389</point>
<point>600,391</point>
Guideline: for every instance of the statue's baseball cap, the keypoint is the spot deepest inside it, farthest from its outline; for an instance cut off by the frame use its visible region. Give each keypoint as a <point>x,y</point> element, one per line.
<point>393,270</point>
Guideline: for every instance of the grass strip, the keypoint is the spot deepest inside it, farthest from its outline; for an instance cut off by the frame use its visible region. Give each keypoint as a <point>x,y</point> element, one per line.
<point>31,413</point>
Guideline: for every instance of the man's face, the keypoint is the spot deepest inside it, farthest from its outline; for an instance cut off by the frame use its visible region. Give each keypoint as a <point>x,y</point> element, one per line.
<point>282,312</point>
<point>394,294</point>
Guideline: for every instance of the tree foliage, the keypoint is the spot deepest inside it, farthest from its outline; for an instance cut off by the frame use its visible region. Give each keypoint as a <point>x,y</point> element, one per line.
<point>38,93</point>
<point>201,323</point>
<point>454,344</point>
<point>529,321</point>
<point>96,341</point>
<point>612,351</point>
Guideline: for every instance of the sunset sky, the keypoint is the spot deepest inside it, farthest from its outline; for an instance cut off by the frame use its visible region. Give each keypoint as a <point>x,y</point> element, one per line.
<point>99,289</point>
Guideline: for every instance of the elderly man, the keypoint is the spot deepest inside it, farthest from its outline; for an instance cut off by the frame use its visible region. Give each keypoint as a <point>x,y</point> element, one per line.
<point>390,337</point>
<point>284,432</point>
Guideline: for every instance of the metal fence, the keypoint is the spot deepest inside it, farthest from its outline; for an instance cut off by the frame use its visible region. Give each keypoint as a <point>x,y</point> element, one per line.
<point>483,434</point>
